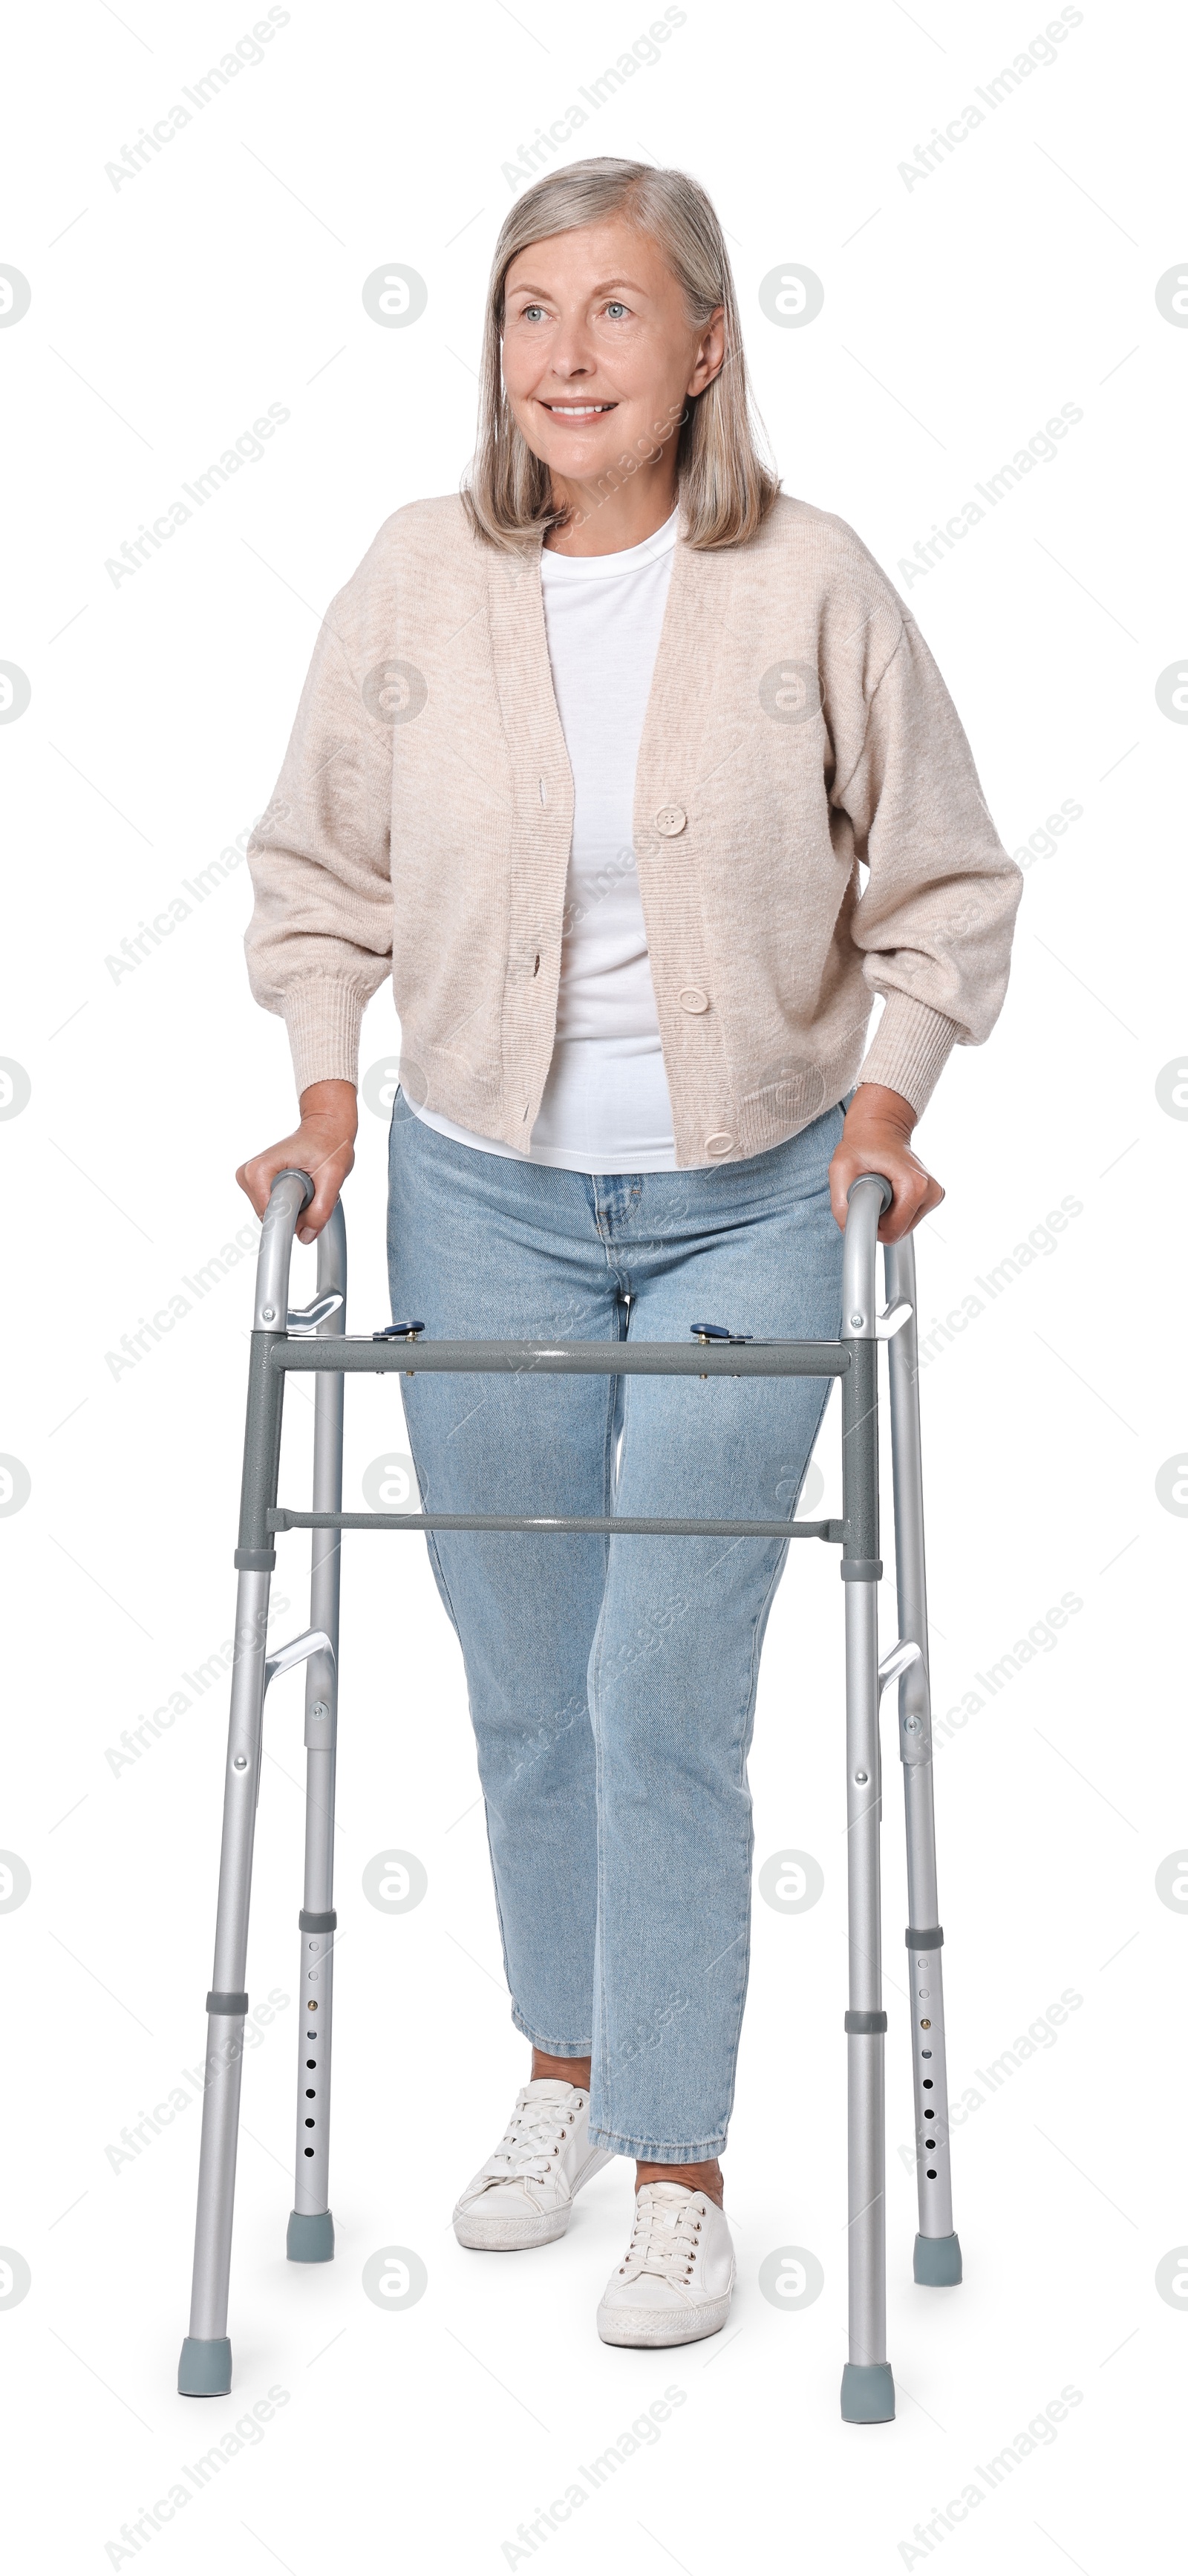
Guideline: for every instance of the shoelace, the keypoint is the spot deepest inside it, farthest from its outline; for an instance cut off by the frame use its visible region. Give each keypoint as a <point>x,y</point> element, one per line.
<point>534,2135</point>
<point>664,2237</point>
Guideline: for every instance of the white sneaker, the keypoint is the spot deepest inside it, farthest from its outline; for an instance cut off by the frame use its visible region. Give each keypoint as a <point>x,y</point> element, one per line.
<point>524,2193</point>
<point>675,2281</point>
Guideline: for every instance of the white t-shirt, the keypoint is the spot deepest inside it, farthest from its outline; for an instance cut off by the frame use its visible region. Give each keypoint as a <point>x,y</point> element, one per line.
<point>605,1106</point>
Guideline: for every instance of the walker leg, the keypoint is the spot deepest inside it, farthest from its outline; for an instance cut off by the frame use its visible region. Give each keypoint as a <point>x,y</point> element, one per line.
<point>937,2257</point>
<point>310,2237</point>
<point>205,2366</point>
<point>868,2389</point>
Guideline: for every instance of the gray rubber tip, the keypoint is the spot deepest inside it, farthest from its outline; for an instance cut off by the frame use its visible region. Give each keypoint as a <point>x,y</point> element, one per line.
<point>310,2240</point>
<point>205,2367</point>
<point>936,2263</point>
<point>867,2393</point>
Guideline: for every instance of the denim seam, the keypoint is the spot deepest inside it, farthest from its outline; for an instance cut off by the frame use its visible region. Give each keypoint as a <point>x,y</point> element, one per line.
<point>598,2069</point>
<point>435,1552</point>
<point>745,1734</point>
<point>733,2015</point>
<point>758,1633</point>
<point>549,2047</point>
<point>656,2151</point>
<point>499,1910</point>
<point>439,1569</point>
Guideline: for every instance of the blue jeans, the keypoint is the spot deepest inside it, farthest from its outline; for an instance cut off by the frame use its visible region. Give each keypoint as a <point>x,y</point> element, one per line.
<point>612,1680</point>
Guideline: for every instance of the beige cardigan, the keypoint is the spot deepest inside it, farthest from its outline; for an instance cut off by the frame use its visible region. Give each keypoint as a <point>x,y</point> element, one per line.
<point>797,726</point>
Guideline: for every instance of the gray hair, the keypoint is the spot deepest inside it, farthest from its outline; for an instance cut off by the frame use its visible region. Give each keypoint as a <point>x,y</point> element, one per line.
<point>726,483</point>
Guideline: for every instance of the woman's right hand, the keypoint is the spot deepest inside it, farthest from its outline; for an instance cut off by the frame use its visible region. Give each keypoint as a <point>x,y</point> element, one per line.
<point>323,1145</point>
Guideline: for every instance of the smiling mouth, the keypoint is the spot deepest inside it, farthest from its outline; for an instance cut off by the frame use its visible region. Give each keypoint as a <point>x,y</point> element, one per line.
<point>578,411</point>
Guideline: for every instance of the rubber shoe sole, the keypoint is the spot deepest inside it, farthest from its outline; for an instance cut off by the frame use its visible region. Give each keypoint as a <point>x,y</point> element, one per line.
<point>653,2327</point>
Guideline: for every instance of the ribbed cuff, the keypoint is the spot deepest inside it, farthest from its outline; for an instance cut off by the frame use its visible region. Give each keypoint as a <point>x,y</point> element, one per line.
<point>909,1050</point>
<point>323,1019</point>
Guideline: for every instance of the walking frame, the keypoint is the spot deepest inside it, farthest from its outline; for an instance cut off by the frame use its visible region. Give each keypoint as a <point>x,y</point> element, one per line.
<point>313,1339</point>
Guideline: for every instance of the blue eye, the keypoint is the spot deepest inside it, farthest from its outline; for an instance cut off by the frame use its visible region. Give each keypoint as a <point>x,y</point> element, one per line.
<point>616,308</point>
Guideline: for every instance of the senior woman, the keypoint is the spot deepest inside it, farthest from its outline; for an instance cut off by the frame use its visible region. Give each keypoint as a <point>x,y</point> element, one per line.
<point>638,777</point>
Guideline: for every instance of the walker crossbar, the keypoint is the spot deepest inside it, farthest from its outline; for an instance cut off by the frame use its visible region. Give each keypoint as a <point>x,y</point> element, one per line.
<point>283,1340</point>
<point>357,1353</point>
<point>621,1524</point>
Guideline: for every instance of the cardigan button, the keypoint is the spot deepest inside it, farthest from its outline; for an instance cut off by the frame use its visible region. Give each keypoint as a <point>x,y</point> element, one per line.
<point>693,1000</point>
<point>670,820</point>
<point>718,1145</point>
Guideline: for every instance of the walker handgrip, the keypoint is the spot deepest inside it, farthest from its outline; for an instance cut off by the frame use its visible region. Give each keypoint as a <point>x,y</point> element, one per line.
<point>858,1255</point>
<point>289,1196</point>
<point>292,1172</point>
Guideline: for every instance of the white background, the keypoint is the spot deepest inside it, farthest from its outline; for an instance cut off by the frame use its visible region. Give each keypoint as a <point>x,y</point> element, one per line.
<point>959,314</point>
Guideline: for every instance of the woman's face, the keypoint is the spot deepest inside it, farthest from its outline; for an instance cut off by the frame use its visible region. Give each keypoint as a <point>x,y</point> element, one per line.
<point>599,358</point>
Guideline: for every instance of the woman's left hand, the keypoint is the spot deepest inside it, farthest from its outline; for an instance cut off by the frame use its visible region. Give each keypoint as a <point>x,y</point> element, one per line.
<point>877,1137</point>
